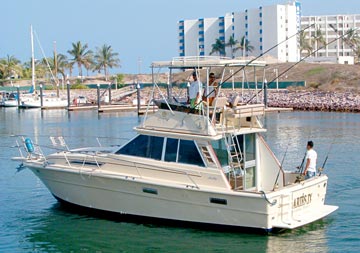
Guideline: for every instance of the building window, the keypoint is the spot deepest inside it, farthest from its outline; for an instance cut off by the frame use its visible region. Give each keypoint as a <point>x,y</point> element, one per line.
<point>202,53</point>
<point>201,25</point>
<point>260,23</point>
<point>181,34</point>
<point>181,41</point>
<point>246,25</point>
<point>260,31</point>
<point>221,23</point>
<point>261,39</point>
<point>182,54</point>
<point>261,48</point>
<point>260,14</point>
<point>222,38</point>
<point>233,28</point>
<point>246,33</point>
<point>181,27</point>
<point>201,39</point>
<point>201,32</point>
<point>246,17</point>
<point>221,31</point>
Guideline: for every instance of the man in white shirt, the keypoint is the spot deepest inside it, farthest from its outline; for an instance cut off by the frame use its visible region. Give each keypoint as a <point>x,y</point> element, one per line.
<point>195,90</point>
<point>310,158</point>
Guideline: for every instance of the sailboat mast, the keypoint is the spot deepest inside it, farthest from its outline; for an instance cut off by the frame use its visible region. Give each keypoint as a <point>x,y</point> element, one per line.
<point>32,59</point>
<point>55,70</point>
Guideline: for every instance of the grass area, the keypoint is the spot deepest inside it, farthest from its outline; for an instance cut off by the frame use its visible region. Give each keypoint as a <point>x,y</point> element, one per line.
<point>79,86</point>
<point>315,71</point>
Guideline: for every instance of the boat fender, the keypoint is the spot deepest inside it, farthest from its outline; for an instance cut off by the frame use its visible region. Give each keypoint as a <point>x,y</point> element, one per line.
<point>29,145</point>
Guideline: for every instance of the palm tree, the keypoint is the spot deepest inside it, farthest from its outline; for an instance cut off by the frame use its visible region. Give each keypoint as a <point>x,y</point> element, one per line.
<point>352,38</point>
<point>304,43</point>
<point>319,39</point>
<point>81,55</point>
<point>218,47</point>
<point>232,42</point>
<point>10,66</point>
<point>61,64</point>
<point>244,45</point>
<point>106,58</point>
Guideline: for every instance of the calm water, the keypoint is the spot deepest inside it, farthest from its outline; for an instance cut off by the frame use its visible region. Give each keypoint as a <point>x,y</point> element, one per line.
<point>32,221</point>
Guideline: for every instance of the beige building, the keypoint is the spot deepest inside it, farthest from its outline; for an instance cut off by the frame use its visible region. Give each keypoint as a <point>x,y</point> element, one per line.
<point>338,51</point>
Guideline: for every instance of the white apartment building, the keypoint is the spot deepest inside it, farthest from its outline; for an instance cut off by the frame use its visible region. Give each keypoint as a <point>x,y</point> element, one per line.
<point>263,27</point>
<point>334,51</point>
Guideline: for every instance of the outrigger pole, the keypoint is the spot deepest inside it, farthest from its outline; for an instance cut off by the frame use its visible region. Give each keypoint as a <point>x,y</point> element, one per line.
<point>251,61</point>
<point>301,60</point>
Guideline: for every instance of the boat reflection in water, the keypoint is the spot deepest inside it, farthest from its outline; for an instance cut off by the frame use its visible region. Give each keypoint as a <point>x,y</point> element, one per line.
<point>61,229</point>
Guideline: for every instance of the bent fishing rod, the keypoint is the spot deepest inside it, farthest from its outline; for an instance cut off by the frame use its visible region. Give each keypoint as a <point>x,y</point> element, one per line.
<point>301,60</point>
<point>251,61</point>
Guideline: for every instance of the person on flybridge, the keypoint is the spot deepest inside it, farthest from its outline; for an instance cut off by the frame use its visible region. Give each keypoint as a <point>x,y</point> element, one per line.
<point>195,90</point>
<point>310,158</point>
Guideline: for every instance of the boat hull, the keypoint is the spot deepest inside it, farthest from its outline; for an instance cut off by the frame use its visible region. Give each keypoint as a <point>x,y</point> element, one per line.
<point>46,104</point>
<point>132,197</point>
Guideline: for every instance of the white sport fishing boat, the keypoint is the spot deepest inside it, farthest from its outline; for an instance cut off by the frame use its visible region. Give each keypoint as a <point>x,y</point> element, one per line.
<point>204,166</point>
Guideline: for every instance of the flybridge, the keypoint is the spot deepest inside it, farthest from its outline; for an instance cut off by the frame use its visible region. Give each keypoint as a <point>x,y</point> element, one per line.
<point>208,118</point>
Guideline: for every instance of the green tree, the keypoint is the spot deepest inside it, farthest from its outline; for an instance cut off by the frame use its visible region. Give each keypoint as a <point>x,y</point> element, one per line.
<point>218,47</point>
<point>10,66</point>
<point>304,43</point>
<point>106,58</point>
<point>232,43</point>
<point>81,55</point>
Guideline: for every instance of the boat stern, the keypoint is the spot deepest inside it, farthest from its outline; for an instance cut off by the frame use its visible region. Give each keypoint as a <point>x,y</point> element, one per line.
<point>300,204</point>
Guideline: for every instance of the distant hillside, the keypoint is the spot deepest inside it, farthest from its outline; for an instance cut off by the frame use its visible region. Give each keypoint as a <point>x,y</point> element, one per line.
<point>319,76</point>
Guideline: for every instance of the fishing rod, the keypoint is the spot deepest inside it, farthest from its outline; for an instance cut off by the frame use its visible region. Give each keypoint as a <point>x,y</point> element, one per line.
<point>251,61</point>
<point>302,164</point>
<point>301,60</point>
<point>281,165</point>
<point>326,158</point>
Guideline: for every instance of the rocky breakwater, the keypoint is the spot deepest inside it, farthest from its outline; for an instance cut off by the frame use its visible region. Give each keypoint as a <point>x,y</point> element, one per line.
<point>315,100</point>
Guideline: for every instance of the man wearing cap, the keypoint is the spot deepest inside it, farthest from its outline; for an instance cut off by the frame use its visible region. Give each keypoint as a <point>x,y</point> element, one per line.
<point>311,157</point>
<point>195,90</point>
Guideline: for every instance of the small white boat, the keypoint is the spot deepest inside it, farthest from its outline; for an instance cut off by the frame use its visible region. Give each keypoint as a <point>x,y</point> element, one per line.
<point>8,99</point>
<point>208,166</point>
<point>47,103</point>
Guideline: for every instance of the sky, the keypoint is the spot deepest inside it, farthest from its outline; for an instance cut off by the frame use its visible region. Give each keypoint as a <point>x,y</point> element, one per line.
<point>136,29</point>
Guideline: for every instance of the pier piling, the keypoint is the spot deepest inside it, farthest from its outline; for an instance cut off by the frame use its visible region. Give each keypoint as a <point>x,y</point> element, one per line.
<point>68,92</point>
<point>41,96</point>
<point>98,95</point>
<point>138,98</point>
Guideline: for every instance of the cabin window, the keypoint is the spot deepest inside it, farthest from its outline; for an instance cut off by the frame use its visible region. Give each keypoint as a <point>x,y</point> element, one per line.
<point>171,150</point>
<point>220,150</point>
<point>144,146</point>
<point>182,151</point>
<point>250,147</point>
<point>189,154</point>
